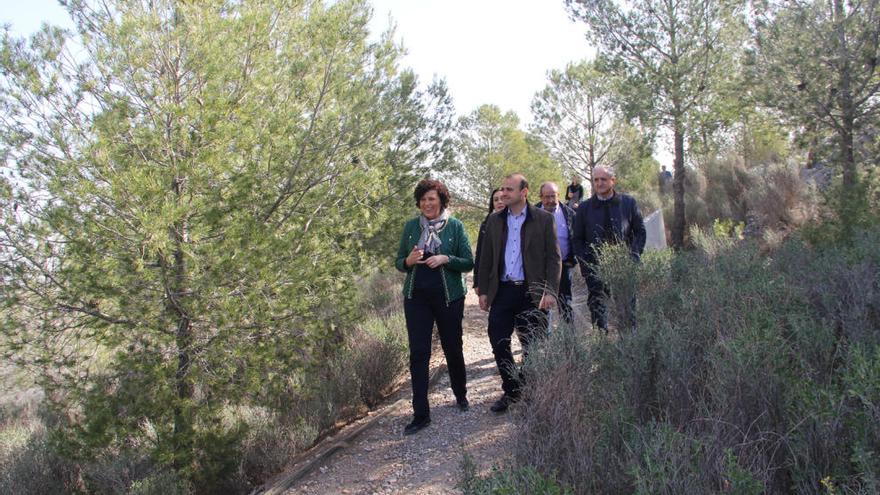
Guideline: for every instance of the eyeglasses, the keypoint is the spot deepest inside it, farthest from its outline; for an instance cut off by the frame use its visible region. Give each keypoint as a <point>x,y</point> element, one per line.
<point>600,179</point>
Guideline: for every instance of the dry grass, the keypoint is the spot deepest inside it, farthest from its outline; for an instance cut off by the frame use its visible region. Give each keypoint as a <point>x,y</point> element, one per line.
<point>747,373</point>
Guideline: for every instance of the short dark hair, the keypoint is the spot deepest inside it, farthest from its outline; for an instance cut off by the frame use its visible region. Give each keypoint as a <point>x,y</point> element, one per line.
<point>426,185</point>
<point>492,199</point>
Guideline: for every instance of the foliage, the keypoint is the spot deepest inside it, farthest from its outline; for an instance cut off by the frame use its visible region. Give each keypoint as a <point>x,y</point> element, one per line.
<point>768,199</point>
<point>669,56</point>
<point>747,373</point>
<point>818,65</point>
<point>28,464</point>
<point>506,481</point>
<point>369,361</point>
<point>188,189</point>
<point>636,169</point>
<point>847,212</point>
<point>490,145</point>
<point>577,117</point>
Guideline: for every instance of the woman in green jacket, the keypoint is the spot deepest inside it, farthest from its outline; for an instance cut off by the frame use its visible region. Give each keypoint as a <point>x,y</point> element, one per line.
<point>434,252</point>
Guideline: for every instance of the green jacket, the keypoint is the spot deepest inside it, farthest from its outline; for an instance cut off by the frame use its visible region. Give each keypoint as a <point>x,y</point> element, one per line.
<point>455,245</point>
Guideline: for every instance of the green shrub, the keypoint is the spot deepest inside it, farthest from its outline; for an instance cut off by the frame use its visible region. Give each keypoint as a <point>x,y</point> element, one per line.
<point>160,483</point>
<point>507,481</point>
<point>747,372</point>
<point>378,351</point>
<point>29,465</point>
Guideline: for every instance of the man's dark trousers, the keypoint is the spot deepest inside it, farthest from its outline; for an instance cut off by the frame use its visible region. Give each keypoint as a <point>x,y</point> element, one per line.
<point>513,309</point>
<point>597,299</point>
<point>421,311</point>
<point>598,303</point>
<point>564,299</point>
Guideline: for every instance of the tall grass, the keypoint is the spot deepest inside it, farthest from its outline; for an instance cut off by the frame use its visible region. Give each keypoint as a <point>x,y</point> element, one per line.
<point>747,372</point>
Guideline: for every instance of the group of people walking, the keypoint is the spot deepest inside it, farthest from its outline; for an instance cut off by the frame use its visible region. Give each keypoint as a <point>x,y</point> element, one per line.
<point>524,258</point>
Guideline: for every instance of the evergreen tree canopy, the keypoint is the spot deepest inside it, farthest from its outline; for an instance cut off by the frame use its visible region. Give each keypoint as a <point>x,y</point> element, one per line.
<point>187,188</point>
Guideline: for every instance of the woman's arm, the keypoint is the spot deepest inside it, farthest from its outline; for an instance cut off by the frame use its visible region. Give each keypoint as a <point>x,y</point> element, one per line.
<point>403,250</point>
<point>461,258</point>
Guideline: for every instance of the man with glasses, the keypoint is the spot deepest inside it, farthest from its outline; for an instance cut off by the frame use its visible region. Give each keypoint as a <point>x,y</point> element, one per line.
<point>564,218</point>
<point>608,217</point>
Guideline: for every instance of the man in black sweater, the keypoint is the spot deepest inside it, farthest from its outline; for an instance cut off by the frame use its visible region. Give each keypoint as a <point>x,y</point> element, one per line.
<point>608,217</point>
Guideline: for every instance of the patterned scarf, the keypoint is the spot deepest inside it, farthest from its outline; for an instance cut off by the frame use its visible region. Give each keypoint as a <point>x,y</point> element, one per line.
<point>430,239</point>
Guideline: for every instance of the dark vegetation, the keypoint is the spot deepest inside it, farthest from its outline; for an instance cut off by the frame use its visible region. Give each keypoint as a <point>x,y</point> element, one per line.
<point>195,198</point>
<point>754,368</point>
<point>251,445</point>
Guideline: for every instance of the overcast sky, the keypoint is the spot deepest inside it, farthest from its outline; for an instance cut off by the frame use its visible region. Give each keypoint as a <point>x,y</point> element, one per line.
<point>489,51</point>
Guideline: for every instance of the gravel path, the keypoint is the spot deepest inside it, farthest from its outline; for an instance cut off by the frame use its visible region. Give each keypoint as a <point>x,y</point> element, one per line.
<point>380,460</point>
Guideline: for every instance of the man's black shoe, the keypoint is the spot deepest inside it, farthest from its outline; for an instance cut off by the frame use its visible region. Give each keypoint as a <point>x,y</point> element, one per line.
<point>416,425</point>
<point>503,403</point>
<point>463,404</point>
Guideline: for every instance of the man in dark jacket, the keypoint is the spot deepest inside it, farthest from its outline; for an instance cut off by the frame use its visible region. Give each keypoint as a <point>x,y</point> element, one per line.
<point>608,217</point>
<point>563,216</point>
<point>518,279</point>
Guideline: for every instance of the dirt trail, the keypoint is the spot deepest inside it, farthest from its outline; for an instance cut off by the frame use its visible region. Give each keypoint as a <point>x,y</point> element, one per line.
<point>380,460</point>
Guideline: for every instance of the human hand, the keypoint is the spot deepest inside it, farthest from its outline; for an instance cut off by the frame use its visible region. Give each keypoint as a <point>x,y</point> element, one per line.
<point>547,302</point>
<point>437,260</point>
<point>484,303</point>
<point>415,257</point>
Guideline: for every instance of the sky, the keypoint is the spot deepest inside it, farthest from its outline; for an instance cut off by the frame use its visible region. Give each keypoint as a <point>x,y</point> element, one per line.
<point>489,51</point>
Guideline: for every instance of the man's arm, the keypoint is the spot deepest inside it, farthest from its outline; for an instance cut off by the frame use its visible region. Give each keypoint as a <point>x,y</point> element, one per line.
<point>553,258</point>
<point>579,237</point>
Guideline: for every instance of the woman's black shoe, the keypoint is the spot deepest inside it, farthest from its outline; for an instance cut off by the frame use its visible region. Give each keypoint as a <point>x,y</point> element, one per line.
<point>463,404</point>
<point>416,425</point>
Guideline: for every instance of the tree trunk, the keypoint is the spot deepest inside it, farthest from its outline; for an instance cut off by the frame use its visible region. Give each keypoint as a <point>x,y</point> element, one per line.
<point>846,132</point>
<point>183,341</point>
<point>850,174</point>
<point>678,224</point>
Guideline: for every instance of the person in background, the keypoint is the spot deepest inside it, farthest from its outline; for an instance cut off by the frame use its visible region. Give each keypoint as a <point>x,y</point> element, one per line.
<point>495,204</point>
<point>574,193</point>
<point>564,218</point>
<point>434,252</point>
<point>518,279</point>
<point>608,217</point>
<point>664,180</point>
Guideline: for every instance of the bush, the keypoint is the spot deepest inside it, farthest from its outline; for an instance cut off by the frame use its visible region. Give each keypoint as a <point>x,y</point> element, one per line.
<point>272,441</point>
<point>507,481</point>
<point>160,483</point>
<point>29,465</point>
<point>768,197</point>
<point>255,437</point>
<point>746,373</point>
<point>378,351</point>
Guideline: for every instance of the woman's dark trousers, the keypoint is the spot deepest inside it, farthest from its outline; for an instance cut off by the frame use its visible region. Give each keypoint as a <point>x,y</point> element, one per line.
<point>426,307</point>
